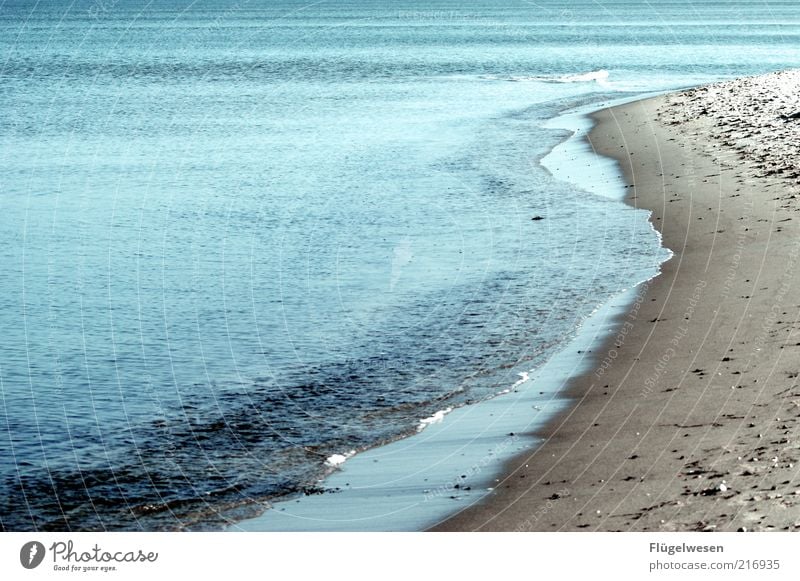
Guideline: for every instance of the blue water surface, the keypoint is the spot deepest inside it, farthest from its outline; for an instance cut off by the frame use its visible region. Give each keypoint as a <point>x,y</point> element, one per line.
<point>238,237</point>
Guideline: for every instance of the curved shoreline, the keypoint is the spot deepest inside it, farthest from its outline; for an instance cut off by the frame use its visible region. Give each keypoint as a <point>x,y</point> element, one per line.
<point>689,426</point>
<point>425,478</point>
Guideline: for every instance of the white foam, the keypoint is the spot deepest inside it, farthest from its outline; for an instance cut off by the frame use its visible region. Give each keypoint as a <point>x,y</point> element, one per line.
<point>600,77</point>
<point>338,459</point>
<point>434,419</point>
<point>523,377</point>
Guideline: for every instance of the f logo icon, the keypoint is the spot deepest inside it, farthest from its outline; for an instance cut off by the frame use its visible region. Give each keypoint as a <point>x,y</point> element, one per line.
<point>31,554</point>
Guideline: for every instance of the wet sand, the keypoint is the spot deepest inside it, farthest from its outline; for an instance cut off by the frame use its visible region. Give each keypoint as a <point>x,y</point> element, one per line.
<point>689,419</point>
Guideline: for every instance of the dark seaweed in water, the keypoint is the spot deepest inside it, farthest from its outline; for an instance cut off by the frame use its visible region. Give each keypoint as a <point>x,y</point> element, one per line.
<point>200,466</point>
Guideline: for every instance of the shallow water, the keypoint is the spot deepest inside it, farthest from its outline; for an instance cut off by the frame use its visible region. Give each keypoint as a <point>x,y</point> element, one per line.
<point>238,240</point>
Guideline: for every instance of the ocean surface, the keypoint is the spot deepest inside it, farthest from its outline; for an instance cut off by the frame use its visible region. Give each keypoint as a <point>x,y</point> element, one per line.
<point>240,238</point>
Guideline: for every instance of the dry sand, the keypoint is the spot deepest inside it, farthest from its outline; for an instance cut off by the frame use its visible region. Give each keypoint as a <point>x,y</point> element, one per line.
<point>691,419</point>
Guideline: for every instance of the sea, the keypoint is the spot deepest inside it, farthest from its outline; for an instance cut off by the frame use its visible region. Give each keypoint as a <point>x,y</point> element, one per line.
<point>241,239</point>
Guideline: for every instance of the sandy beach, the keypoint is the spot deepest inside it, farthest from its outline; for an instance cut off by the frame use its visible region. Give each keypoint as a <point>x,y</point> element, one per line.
<point>688,420</point>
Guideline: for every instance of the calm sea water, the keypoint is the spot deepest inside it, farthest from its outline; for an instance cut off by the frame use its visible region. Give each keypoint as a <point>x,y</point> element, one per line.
<point>239,237</point>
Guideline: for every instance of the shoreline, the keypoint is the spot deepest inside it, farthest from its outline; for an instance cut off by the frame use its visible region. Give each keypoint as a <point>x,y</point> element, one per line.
<point>425,477</point>
<point>455,461</point>
<point>685,422</point>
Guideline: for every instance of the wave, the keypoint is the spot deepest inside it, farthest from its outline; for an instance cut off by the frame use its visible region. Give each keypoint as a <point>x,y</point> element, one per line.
<point>434,419</point>
<point>599,76</point>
